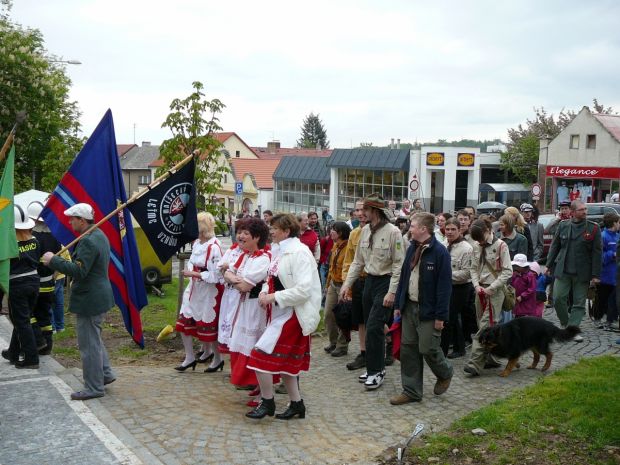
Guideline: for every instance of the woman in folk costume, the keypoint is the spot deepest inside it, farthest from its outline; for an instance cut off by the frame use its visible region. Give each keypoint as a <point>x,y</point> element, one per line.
<point>249,320</point>
<point>232,260</point>
<point>201,299</point>
<point>292,300</point>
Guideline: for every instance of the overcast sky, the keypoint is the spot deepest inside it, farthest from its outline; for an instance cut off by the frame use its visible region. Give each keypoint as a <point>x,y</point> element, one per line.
<point>373,70</point>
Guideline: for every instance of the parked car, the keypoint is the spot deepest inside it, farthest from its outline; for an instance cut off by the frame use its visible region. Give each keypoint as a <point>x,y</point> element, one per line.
<point>596,211</point>
<point>545,220</point>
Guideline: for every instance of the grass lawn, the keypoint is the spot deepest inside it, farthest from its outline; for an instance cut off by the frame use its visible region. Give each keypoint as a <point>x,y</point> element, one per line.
<point>570,417</point>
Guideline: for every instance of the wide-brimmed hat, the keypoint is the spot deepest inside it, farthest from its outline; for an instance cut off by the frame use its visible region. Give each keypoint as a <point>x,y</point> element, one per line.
<point>81,210</point>
<point>535,267</point>
<point>375,201</point>
<point>520,260</point>
<point>22,221</point>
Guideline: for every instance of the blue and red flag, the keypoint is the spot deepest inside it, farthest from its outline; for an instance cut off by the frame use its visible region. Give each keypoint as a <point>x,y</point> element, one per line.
<point>95,177</point>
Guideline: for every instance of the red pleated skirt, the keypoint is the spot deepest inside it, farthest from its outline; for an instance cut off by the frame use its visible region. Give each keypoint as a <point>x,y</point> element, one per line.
<point>291,354</point>
<point>203,331</point>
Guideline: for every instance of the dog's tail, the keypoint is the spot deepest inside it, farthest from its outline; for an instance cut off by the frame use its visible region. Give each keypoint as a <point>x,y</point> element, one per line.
<point>563,335</point>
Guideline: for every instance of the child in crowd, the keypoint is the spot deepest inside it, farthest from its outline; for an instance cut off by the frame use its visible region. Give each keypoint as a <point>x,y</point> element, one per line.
<point>524,282</point>
<point>542,281</point>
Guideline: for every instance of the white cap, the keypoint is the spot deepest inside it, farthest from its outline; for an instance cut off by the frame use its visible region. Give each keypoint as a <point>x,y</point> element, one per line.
<point>520,260</point>
<point>34,210</point>
<point>81,210</point>
<point>21,219</point>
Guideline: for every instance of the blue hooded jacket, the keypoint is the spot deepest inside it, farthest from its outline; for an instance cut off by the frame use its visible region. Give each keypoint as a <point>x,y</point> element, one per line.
<point>608,270</point>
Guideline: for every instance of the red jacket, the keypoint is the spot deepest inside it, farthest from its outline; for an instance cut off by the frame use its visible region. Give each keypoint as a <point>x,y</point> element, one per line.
<point>326,247</point>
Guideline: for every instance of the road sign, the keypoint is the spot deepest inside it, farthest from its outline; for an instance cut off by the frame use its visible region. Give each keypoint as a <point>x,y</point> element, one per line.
<point>414,185</point>
<point>536,190</point>
<point>239,188</point>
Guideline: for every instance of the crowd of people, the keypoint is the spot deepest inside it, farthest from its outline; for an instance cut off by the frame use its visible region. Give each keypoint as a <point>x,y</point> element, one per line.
<point>435,280</point>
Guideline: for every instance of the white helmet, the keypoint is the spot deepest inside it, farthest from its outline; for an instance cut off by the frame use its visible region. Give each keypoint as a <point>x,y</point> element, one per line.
<point>21,219</point>
<point>34,210</point>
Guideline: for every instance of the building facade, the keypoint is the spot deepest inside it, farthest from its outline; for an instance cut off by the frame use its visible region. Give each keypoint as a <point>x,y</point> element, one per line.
<point>582,162</point>
<point>301,184</point>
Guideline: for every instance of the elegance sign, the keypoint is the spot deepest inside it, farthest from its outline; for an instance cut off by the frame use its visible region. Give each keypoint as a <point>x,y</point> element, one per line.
<point>582,172</point>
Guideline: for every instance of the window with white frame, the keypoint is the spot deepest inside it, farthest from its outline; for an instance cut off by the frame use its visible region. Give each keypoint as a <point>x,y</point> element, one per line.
<point>144,179</point>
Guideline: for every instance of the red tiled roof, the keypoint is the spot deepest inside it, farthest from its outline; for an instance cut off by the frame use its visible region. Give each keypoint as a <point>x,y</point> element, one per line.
<point>261,170</point>
<point>224,136</point>
<point>611,123</point>
<point>157,163</point>
<point>124,148</point>
<point>265,154</point>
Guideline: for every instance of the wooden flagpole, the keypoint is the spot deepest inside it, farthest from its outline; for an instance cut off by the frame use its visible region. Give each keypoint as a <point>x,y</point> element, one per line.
<point>19,119</point>
<point>132,199</point>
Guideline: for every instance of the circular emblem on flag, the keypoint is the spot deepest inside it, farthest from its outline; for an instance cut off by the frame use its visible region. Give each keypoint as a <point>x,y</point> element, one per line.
<point>173,206</point>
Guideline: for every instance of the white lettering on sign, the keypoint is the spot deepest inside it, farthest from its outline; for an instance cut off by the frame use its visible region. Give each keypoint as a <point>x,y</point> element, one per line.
<point>559,171</point>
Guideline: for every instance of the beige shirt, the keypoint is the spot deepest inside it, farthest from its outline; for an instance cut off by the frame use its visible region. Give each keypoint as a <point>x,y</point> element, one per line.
<point>384,258</point>
<point>497,257</point>
<point>414,280</point>
<point>461,257</point>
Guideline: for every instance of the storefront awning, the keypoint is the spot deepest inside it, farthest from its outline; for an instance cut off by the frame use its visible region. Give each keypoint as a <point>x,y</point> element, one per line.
<point>500,187</point>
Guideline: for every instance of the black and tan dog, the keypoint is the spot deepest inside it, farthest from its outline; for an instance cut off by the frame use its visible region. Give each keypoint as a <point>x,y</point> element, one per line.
<point>512,339</point>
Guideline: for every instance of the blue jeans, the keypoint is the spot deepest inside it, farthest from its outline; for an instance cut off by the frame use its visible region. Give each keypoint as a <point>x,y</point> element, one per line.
<point>323,269</point>
<point>58,308</point>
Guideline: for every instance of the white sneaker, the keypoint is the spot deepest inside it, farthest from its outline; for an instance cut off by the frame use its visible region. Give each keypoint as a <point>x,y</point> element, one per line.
<point>363,378</point>
<point>374,381</point>
<point>578,338</point>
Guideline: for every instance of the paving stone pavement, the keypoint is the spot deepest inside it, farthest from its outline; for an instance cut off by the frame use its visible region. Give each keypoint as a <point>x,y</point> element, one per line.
<point>155,415</point>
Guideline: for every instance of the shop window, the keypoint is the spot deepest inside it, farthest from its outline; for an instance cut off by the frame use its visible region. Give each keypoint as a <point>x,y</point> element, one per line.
<point>591,141</point>
<point>574,141</point>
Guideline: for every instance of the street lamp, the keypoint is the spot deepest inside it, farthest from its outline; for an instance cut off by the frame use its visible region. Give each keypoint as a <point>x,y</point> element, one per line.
<point>69,62</point>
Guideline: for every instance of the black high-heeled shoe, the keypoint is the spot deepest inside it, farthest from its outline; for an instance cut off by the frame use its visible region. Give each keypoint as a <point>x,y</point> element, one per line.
<point>204,360</point>
<point>218,367</point>
<point>266,407</point>
<point>294,408</point>
<point>182,367</point>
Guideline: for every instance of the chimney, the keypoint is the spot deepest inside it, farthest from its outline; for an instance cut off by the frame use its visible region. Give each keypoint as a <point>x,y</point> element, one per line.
<point>273,146</point>
<point>398,143</point>
<point>392,143</point>
<point>146,143</point>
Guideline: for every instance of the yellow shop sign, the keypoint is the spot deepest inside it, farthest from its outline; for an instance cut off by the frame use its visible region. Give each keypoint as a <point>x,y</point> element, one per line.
<point>465,159</point>
<point>435,158</point>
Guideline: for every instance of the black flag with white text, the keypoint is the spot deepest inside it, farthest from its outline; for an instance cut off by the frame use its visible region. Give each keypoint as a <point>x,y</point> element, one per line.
<point>167,213</point>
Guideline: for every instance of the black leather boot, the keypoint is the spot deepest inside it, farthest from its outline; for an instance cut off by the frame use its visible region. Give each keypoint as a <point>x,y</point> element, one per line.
<point>294,408</point>
<point>266,407</point>
<point>48,336</point>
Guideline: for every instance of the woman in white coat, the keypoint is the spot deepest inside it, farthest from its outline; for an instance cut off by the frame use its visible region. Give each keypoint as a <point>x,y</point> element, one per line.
<point>292,299</point>
<point>201,299</point>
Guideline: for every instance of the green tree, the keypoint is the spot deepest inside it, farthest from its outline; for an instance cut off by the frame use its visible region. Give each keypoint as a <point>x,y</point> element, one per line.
<point>30,81</point>
<point>313,133</point>
<point>193,121</point>
<point>521,156</point>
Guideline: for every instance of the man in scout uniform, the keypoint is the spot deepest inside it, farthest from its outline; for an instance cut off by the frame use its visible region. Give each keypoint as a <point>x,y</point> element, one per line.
<point>423,300</point>
<point>574,260</point>
<point>380,254</point>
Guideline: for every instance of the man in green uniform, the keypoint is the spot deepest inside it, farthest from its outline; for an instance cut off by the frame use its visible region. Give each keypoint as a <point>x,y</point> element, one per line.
<point>574,260</point>
<point>91,297</point>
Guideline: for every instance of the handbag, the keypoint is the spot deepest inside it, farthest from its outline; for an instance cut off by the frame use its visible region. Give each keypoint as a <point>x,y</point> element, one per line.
<point>343,312</point>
